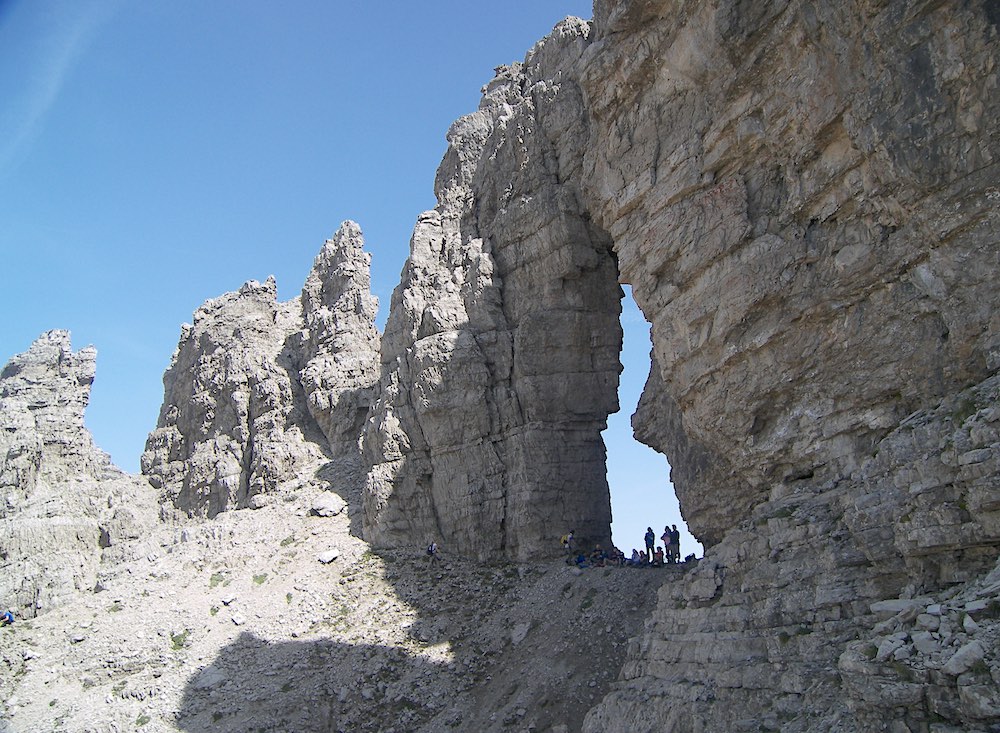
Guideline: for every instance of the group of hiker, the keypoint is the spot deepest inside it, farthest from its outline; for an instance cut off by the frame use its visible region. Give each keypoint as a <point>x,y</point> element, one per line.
<point>652,556</point>
<point>670,551</point>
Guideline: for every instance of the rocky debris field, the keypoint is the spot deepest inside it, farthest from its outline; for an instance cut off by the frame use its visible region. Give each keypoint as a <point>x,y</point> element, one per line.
<point>922,647</point>
<point>282,620</point>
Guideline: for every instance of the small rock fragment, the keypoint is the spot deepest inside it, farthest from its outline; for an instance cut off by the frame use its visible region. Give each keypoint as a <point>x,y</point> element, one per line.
<point>964,659</point>
<point>328,557</point>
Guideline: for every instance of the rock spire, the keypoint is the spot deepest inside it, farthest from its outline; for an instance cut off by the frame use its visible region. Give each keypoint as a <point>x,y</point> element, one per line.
<point>63,504</point>
<point>261,395</point>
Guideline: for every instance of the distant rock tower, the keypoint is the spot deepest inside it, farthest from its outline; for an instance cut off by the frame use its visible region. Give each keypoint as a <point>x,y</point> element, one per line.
<point>63,504</point>
<point>261,395</point>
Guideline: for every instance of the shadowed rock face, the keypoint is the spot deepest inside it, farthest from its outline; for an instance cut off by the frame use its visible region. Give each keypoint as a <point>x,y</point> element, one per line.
<point>63,503</point>
<point>500,356</point>
<point>261,394</point>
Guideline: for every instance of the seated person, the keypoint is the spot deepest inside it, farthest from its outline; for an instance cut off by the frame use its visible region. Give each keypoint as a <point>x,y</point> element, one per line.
<point>598,557</point>
<point>658,558</point>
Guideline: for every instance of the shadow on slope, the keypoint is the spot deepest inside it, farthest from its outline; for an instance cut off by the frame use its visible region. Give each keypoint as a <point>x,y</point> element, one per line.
<point>343,477</point>
<point>322,685</point>
<point>457,647</point>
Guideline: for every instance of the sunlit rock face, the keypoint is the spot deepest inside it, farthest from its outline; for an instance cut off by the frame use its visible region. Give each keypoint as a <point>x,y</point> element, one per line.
<point>262,394</point>
<point>340,344</point>
<point>804,201</point>
<point>801,200</point>
<point>227,431</point>
<point>63,504</point>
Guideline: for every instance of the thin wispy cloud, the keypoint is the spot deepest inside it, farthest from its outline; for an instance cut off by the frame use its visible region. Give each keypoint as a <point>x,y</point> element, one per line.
<point>40,43</point>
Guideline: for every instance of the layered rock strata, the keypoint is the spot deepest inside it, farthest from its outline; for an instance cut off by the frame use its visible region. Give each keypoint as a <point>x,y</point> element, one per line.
<point>500,355</point>
<point>803,199</point>
<point>261,395</point>
<point>63,505</point>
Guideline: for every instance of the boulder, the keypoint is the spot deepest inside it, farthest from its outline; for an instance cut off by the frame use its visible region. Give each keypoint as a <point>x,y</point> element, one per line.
<point>328,504</point>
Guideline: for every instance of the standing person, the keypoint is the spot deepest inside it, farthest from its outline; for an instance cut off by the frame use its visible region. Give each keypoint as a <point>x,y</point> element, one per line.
<point>650,542</point>
<point>675,543</point>
<point>567,542</point>
<point>432,554</point>
<point>665,539</point>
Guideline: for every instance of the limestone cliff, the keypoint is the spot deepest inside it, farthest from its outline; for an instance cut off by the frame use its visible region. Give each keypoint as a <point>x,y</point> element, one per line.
<point>803,198</point>
<point>63,505</point>
<point>263,396</point>
<point>340,342</point>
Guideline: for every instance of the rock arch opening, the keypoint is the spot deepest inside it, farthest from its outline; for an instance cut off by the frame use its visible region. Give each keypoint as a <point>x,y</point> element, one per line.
<point>638,476</point>
<point>500,360</point>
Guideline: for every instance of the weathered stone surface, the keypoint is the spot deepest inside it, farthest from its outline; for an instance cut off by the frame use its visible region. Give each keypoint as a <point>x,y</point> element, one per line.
<point>261,395</point>
<point>756,172</point>
<point>500,356</point>
<point>803,199</point>
<point>64,504</point>
<point>340,341</point>
<point>232,424</point>
<point>328,504</point>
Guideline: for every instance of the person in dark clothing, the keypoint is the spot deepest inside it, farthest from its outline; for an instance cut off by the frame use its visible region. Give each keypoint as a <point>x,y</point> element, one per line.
<point>432,554</point>
<point>675,544</point>
<point>665,538</point>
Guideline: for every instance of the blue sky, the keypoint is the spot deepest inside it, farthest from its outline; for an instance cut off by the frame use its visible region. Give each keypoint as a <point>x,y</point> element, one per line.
<point>155,155</point>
